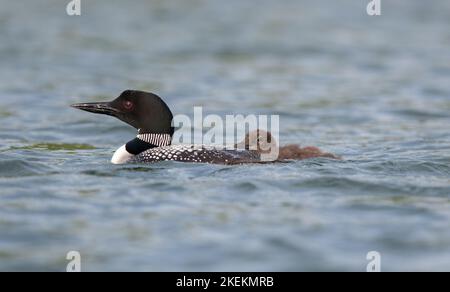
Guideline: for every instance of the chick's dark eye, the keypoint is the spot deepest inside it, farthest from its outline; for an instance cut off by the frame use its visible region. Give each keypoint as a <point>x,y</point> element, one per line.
<point>128,105</point>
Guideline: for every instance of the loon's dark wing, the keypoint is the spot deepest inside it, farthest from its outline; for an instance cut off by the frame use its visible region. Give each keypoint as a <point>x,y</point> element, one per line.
<point>194,153</point>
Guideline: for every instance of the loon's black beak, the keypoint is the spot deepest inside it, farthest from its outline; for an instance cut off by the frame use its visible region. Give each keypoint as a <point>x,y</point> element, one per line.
<point>104,108</point>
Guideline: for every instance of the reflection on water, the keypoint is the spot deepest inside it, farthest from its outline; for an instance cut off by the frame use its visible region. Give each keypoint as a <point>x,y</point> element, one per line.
<point>374,90</point>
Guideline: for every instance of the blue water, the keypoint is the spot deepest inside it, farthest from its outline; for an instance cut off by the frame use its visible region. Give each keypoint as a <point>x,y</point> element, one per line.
<point>375,90</point>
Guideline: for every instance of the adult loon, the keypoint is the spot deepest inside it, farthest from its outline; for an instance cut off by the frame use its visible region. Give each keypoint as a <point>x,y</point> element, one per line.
<point>151,116</point>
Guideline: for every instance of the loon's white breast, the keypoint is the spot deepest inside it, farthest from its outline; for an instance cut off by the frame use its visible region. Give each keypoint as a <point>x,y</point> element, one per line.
<point>121,156</point>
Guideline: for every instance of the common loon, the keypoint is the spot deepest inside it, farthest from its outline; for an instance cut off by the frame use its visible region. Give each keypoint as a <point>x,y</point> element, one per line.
<point>151,116</point>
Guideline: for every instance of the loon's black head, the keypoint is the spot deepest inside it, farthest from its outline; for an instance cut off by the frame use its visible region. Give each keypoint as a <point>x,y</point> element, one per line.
<point>145,111</point>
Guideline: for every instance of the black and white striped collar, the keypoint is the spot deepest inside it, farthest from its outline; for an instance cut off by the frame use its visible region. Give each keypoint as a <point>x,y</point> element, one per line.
<point>156,139</point>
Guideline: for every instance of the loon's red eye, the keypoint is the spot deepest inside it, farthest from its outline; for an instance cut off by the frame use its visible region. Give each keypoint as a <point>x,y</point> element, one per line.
<point>128,105</point>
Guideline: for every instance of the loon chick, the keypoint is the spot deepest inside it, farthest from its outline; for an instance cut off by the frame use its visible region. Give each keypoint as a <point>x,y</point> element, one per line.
<point>151,116</point>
